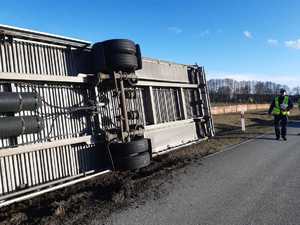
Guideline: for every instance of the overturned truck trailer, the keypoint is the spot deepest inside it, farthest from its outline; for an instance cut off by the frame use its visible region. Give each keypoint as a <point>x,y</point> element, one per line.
<point>71,110</point>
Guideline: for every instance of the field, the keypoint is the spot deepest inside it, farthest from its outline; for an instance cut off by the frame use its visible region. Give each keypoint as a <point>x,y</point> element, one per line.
<point>99,197</point>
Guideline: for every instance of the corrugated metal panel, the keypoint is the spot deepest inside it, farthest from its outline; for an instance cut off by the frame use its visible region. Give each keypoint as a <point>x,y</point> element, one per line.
<point>66,109</point>
<point>26,170</point>
<point>38,58</point>
<point>35,168</point>
<point>168,104</point>
<point>31,169</point>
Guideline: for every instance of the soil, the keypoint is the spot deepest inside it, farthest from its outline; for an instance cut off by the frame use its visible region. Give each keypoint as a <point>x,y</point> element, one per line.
<point>114,191</point>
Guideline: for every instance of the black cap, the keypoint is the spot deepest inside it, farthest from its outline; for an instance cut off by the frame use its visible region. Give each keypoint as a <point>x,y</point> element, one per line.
<point>282,90</point>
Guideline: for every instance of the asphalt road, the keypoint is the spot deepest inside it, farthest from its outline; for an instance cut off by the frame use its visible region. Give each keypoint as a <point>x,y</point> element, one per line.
<point>255,183</point>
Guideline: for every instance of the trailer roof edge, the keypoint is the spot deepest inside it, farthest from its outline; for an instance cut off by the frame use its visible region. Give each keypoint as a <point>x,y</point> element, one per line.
<point>168,62</point>
<point>42,36</point>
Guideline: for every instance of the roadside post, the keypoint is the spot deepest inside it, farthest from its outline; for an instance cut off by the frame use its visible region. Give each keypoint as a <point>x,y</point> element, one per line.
<point>243,125</point>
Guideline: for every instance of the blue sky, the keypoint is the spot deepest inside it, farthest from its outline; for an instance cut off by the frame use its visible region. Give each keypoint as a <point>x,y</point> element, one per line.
<point>257,39</point>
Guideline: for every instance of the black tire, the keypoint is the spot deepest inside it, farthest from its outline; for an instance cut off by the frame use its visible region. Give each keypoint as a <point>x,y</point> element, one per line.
<point>99,58</point>
<point>120,46</point>
<point>130,82</point>
<point>125,149</point>
<point>139,57</point>
<point>123,62</point>
<point>133,162</point>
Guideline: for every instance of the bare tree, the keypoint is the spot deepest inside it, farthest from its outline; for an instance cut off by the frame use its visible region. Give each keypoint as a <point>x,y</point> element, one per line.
<point>296,90</point>
<point>225,93</point>
<point>260,88</point>
<point>245,90</point>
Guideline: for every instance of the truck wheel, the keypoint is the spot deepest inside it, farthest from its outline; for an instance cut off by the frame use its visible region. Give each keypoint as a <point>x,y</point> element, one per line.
<point>139,57</point>
<point>123,62</point>
<point>133,162</point>
<point>120,46</point>
<point>125,149</point>
<point>99,59</point>
<point>132,82</point>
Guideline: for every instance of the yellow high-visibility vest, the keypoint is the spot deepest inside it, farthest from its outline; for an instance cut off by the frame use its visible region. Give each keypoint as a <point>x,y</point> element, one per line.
<point>277,110</point>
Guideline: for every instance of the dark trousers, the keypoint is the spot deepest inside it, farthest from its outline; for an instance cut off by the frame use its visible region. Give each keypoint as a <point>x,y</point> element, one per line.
<point>280,121</point>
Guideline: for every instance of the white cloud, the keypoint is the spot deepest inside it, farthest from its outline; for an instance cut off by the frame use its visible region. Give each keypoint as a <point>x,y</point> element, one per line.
<point>291,80</point>
<point>293,44</point>
<point>248,34</point>
<point>272,42</point>
<point>175,30</point>
<point>204,33</point>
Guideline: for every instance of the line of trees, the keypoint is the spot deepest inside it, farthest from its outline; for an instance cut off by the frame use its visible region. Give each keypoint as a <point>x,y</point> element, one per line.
<point>260,92</point>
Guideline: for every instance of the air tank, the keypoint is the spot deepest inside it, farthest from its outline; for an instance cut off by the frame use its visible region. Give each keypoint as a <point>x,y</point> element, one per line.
<point>16,102</point>
<point>13,126</point>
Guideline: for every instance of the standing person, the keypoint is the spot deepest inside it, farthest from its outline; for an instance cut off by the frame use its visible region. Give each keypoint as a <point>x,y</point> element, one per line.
<point>280,108</point>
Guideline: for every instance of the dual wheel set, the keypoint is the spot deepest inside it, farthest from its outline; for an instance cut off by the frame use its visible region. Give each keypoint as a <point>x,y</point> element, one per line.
<point>116,62</point>
<point>131,155</point>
